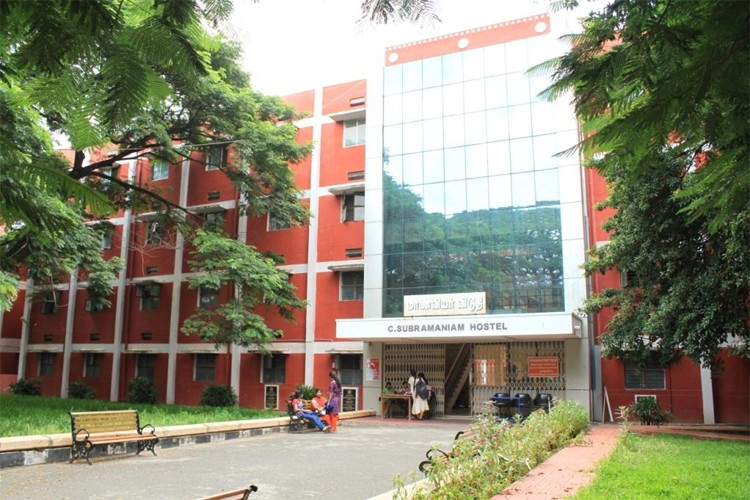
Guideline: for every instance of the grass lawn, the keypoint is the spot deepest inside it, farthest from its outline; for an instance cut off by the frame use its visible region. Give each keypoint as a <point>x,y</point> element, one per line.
<point>664,466</point>
<point>30,415</point>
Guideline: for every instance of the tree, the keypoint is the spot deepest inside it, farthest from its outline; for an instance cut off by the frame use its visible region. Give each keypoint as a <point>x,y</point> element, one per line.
<point>220,262</point>
<point>385,11</point>
<point>661,89</point>
<point>140,79</point>
<point>670,75</point>
<point>688,288</point>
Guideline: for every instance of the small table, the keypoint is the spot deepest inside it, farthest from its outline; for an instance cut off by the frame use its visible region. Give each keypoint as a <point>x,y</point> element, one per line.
<point>389,398</point>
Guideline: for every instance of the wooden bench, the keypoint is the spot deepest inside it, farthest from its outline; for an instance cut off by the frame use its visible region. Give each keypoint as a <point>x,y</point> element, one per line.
<point>435,455</point>
<point>297,423</point>
<point>94,428</point>
<point>239,494</point>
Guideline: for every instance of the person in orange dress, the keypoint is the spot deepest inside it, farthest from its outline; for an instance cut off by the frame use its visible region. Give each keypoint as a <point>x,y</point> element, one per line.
<point>319,405</point>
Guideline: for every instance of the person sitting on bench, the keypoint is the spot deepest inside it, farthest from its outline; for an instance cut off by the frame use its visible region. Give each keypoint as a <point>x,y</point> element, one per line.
<point>319,407</point>
<point>299,407</point>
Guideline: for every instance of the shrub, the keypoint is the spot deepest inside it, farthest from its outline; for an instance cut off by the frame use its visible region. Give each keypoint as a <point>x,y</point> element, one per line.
<point>27,387</point>
<point>79,390</point>
<point>142,390</point>
<point>218,395</point>
<point>649,412</point>
<point>308,391</point>
<point>494,454</point>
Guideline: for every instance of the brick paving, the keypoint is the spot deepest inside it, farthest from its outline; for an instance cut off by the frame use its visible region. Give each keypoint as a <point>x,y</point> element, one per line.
<point>568,470</point>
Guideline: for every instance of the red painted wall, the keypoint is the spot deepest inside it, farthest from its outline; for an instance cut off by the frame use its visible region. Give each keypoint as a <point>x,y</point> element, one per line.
<point>732,391</point>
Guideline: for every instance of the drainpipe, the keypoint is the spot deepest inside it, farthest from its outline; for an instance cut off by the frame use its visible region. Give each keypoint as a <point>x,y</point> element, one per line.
<point>234,349</point>
<point>174,318</point>
<point>122,281</point>
<point>68,343</point>
<point>24,347</point>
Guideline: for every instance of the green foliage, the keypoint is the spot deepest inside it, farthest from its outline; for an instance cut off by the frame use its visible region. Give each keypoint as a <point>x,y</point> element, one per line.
<point>23,416</point>
<point>649,412</point>
<point>308,391</point>
<point>142,390</point>
<point>688,288</point>
<point>26,387</point>
<point>154,77</point>
<point>668,120</point>
<point>495,454</point>
<point>664,466</point>
<point>79,390</point>
<point>257,284</point>
<point>646,77</point>
<point>218,395</point>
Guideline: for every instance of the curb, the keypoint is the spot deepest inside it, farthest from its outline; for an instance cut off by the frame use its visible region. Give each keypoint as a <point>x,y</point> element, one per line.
<point>54,448</point>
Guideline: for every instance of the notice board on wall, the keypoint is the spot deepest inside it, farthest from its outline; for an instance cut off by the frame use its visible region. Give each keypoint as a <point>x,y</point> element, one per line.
<point>271,397</point>
<point>544,366</point>
<point>349,398</point>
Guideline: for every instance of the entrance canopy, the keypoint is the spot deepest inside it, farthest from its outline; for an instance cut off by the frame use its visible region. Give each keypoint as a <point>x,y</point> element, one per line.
<point>495,327</point>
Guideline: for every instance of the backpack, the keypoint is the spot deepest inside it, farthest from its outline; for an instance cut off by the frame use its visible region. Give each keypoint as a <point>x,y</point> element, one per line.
<point>421,389</point>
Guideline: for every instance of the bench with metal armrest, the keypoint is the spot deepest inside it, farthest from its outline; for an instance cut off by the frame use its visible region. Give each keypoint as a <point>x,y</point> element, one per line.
<point>100,428</point>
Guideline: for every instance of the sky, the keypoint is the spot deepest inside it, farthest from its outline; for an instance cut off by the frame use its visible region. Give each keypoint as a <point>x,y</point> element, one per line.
<point>295,45</point>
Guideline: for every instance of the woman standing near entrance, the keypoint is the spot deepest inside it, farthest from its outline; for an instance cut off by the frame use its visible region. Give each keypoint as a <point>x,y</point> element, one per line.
<point>420,393</point>
<point>334,397</point>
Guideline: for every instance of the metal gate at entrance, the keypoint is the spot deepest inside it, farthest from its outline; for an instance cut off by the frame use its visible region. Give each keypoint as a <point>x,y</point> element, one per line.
<point>464,376</point>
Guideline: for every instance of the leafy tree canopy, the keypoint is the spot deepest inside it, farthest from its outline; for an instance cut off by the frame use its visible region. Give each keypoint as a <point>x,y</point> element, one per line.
<point>670,75</point>
<point>220,262</point>
<point>663,92</point>
<point>141,78</point>
<point>688,288</point>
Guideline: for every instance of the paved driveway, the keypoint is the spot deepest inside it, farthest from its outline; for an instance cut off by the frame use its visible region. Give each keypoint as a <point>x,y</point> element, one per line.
<point>359,461</point>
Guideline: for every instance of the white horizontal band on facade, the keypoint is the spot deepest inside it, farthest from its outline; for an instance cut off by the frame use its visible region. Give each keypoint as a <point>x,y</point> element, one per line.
<point>499,327</point>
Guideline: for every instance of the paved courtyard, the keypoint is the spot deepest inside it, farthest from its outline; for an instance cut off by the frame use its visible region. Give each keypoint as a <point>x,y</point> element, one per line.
<point>358,462</point>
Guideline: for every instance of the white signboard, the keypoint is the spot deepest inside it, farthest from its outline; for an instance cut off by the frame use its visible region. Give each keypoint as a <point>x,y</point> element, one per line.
<point>445,304</point>
<point>519,327</point>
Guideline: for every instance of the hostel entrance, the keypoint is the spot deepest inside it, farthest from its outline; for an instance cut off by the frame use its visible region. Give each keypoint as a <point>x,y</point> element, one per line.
<point>464,376</point>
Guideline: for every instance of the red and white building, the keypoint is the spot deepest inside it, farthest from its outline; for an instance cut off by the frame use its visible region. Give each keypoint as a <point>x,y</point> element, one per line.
<point>446,236</point>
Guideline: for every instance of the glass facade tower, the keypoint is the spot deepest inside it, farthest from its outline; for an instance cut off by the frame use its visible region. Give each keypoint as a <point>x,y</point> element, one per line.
<point>471,180</point>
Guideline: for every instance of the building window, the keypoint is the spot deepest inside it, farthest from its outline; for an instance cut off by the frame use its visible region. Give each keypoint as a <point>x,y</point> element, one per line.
<point>144,365</point>
<point>90,306</point>
<point>216,157</point>
<point>274,368</point>
<point>353,207</point>
<point>110,172</point>
<point>352,285</point>
<point>650,376</point>
<point>92,364</point>
<point>107,238</point>
<point>155,231</point>
<point>50,302</point>
<point>149,295</point>
<point>276,224</point>
<point>46,364</point>
<point>205,365</point>
<point>159,169</point>
<point>354,133</point>
<point>213,221</point>
<point>208,297</point>
<point>350,369</point>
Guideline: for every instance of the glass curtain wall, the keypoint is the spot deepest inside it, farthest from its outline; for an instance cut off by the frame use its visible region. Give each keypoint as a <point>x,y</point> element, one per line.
<point>471,183</point>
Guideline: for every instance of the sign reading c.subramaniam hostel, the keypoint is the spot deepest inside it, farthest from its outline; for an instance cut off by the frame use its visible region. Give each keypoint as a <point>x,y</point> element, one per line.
<point>551,326</point>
